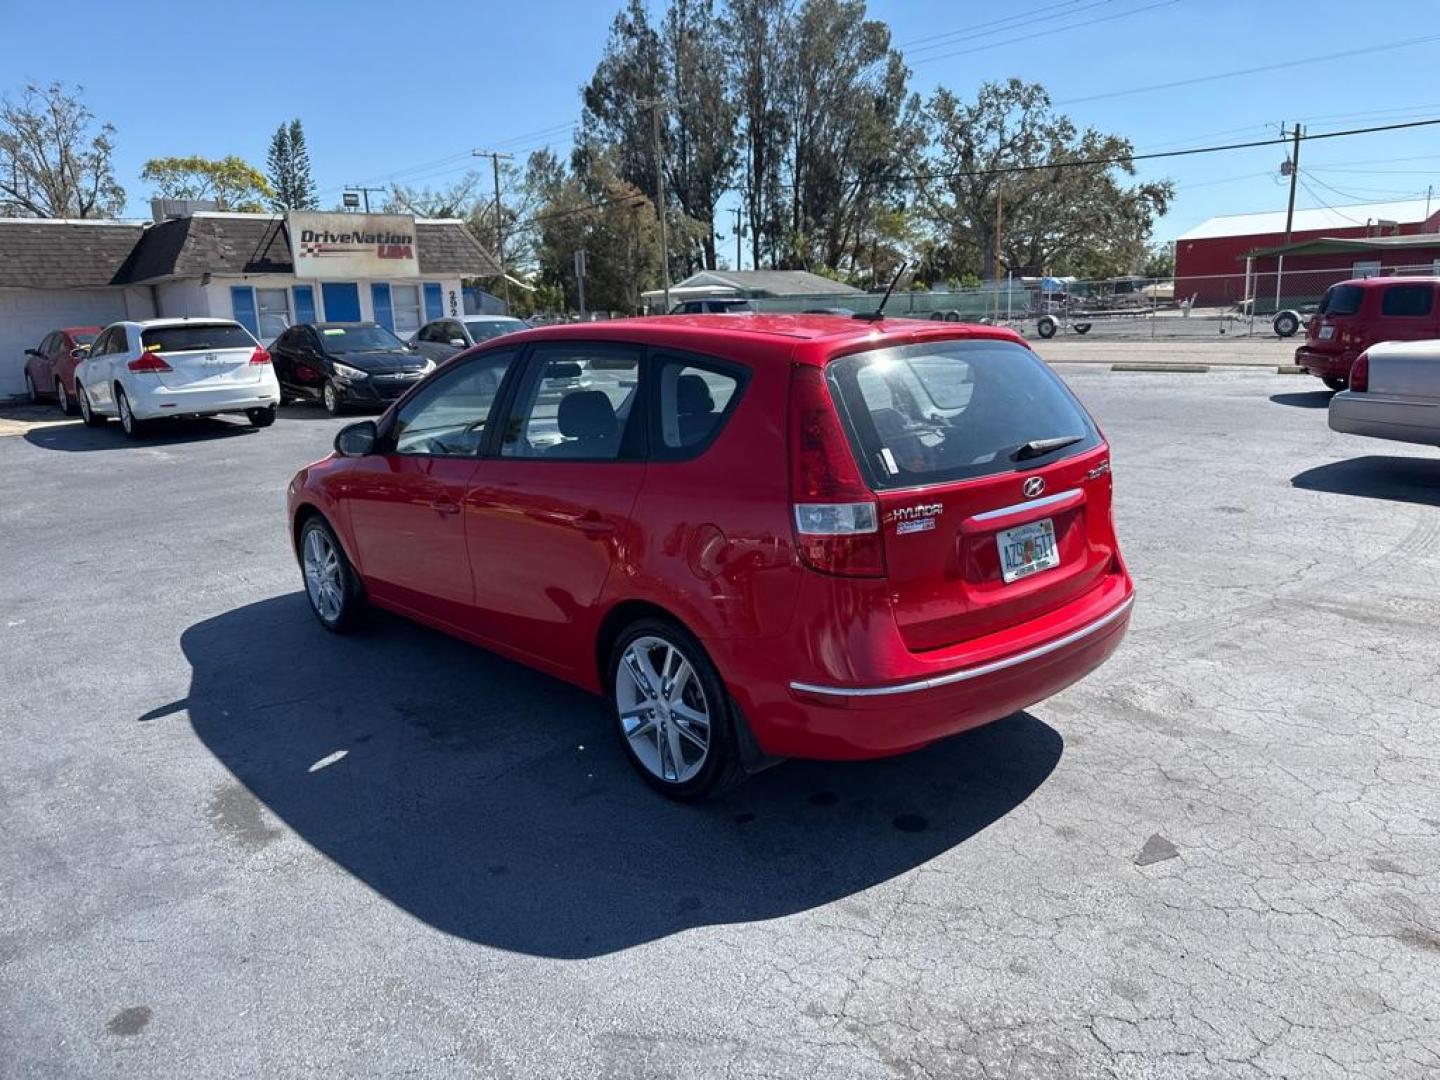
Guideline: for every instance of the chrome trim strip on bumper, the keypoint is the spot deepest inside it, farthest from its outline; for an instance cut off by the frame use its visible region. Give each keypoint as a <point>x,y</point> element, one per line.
<point>963,674</point>
<point>1029,504</point>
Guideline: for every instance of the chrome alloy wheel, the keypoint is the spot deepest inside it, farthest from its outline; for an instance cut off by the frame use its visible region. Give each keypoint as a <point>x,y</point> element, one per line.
<point>62,397</point>
<point>663,711</point>
<point>86,413</point>
<point>127,418</point>
<point>322,576</point>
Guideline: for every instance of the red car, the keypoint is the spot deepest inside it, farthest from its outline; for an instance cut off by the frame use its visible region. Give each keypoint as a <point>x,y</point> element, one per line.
<point>1357,314</point>
<point>761,538</point>
<point>50,367</point>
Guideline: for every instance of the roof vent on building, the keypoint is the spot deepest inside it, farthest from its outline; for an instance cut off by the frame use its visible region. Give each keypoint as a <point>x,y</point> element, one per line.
<point>169,209</point>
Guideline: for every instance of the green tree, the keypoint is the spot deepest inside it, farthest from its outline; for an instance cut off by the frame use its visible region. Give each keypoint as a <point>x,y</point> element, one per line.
<point>232,182</point>
<point>615,121</point>
<point>754,43</point>
<point>54,161</point>
<point>288,165</point>
<point>456,200</point>
<point>980,182</point>
<point>701,151</point>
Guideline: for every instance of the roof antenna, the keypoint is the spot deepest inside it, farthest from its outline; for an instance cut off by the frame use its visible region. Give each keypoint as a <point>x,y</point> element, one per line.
<point>879,312</point>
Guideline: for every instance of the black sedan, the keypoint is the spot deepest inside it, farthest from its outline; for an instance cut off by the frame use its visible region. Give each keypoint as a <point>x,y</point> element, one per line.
<point>345,365</point>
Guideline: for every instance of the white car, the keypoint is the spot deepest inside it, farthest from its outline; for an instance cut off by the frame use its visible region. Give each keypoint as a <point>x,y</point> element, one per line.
<point>146,371</point>
<point>1394,394</point>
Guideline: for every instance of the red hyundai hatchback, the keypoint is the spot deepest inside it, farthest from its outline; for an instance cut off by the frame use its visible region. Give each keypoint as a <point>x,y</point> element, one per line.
<point>760,537</point>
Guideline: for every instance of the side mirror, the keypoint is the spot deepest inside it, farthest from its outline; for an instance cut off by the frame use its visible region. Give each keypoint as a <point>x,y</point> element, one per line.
<point>35,353</point>
<point>458,342</point>
<point>357,440</point>
<point>80,353</point>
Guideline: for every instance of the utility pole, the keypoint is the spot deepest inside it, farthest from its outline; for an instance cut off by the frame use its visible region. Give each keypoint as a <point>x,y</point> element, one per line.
<point>580,281</point>
<point>999,226</point>
<point>654,105</point>
<point>365,192</point>
<point>1294,164</point>
<point>736,210</point>
<point>499,219</point>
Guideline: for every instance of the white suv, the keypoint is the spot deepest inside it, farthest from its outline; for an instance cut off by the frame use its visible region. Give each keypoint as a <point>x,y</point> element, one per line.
<point>143,371</point>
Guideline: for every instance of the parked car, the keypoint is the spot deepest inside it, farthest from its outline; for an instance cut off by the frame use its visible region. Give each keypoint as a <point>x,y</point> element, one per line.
<point>759,538</point>
<point>843,312</point>
<point>715,305</point>
<point>346,365</point>
<point>1357,314</point>
<point>1394,394</point>
<point>443,338</point>
<point>158,369</point>
<point>50,366</point>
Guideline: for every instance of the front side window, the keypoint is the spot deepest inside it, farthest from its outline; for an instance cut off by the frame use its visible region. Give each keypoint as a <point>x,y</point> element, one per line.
<point>693,402</point>
<point>448,417</point>
<point>575,403</point>
<point>274,312</point>
<point>406,309</point>
<point>952,410</point>
<point>485,329</point>
<point>1407,301</point>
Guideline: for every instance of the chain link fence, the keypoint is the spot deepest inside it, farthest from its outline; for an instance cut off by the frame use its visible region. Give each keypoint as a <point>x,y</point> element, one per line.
<point>1258,304</point>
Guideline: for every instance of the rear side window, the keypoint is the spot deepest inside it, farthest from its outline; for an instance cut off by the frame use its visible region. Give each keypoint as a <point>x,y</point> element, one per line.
<point>952,410</point>
<point>1407,300</point>
<point>693,403</point>
<point>575,403</point>
<point>193,337</point>
<point>1342,300</point>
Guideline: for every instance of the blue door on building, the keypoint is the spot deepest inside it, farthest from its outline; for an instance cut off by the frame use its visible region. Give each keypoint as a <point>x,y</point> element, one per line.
<point>342,301</point>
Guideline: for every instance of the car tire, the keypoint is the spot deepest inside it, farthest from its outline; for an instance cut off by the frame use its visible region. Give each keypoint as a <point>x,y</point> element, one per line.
<point>1286,324</point>
<point>261,417</point>
<point>1334,382</point>
<point>133,426</point>
<point>1046,327</point>
<point>64,400</point>
<point>659,726</point>
<point>330,398</point>
<point>336,596</point>
<point>1081,328</point>
<point>87,413</point>
<point>32,395</point>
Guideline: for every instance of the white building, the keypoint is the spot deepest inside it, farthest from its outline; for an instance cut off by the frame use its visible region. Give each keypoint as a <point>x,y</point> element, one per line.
<point>265,271</point>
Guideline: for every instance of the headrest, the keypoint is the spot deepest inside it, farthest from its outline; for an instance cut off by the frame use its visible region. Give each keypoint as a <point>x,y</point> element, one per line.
<point>586,414</point>
<point>692,395</point>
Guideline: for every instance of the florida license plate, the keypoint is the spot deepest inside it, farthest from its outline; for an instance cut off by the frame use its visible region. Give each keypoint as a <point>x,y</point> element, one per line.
<point>1027,549</point>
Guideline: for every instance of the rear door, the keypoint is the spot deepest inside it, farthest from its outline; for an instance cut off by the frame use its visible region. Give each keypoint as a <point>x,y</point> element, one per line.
<point>993,484</point>
<point>550,516</point>
<point>1336,328</point>
<point>44,366</point>
<point>203,355</point>
<point>1406,312</point>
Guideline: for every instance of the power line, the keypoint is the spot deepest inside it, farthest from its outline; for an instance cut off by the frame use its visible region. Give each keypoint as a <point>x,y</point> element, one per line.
<point>1250,71</point>
<point>1190,151</point>
<point>1047,33</point>
<point>970,30</point>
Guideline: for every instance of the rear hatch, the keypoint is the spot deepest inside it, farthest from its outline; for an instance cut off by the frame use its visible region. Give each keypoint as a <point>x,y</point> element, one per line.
<point>203,355</point>
<point>1338,324</point>
<point>993,484</point>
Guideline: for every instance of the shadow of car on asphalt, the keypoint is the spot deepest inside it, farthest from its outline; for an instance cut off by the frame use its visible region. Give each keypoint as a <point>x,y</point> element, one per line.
<point>1377,476</point>
<point>76,437</point>
<point>1309,399</point>
<point>494,803</point>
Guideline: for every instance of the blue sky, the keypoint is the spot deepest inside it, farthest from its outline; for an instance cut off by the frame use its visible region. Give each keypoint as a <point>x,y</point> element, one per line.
<point>380,96</point>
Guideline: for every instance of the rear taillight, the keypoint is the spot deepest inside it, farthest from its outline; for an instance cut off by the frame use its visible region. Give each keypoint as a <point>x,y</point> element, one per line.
<point>1360,373</point>
<point>837,522</point>
<point>149,362</point>
<point>259,356</point>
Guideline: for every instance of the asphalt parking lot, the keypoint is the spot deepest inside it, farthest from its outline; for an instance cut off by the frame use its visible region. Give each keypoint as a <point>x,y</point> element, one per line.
<point>236,846</point>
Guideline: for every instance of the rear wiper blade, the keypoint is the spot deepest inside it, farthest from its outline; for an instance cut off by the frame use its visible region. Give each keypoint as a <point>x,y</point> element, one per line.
<point>1040,447</point>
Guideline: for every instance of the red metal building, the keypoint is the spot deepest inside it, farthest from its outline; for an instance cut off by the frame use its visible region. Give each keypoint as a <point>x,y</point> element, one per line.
<point>1210,258</point>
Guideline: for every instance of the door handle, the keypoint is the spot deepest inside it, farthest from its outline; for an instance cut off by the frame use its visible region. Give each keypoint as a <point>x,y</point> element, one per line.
<point>593,524</point>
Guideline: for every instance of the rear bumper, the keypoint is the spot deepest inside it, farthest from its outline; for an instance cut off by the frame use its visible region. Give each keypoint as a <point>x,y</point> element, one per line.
<point>1325,365</point>
<point>961,690</point>
<point>154,402</point>
<point>1379,417</point>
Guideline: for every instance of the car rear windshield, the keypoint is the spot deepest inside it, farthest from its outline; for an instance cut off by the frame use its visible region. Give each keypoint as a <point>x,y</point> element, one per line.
<point>485,329</point>
<point>192,337</point>
<point>951,410</point>
<point>1342,300</point>
<point>85,337</point>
